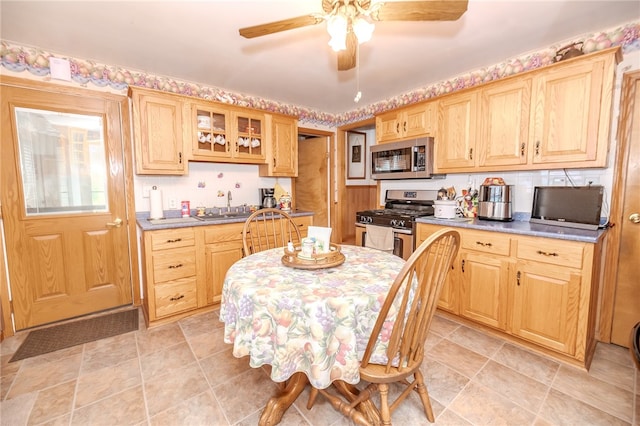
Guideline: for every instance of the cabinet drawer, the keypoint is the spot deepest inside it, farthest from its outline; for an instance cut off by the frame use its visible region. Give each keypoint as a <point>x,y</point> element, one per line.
<point>173,264</point>
<point>176,296</point>
<point>556,252</point>
<point>221,233</point>
<point>172,238</point>
<point>485,242</point>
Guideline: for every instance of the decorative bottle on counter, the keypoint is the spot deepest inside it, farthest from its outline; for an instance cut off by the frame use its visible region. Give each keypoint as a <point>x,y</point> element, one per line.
<point>285,202</point>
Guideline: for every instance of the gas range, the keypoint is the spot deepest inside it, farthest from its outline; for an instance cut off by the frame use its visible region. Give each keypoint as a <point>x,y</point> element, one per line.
<point>401,209</point>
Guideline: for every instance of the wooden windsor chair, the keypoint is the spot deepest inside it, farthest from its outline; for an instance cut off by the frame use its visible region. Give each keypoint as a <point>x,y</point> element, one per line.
<point>268,228</point>
<point>424,272</point>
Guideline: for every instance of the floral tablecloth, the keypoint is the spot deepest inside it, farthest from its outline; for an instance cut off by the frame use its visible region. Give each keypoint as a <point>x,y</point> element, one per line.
<point>312,321</point>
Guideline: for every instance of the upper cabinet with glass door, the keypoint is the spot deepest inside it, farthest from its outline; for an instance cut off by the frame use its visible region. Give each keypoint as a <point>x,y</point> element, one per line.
<point>249,134</point>
<point>211,137</point>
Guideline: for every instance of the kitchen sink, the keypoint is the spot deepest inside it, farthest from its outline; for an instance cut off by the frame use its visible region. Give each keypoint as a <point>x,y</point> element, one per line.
<point>225,215</point>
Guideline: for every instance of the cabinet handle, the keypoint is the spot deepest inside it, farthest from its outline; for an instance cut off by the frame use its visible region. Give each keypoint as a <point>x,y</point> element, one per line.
<point>483,244</point>
<point>547,253</point>
<point>462,265</point>
<point>470,153</point>
<point>518,278</point>
<point>274,161</point>
<point>174,241</point>
<point>179,265</point>
<point>173,299</point>
<point>522,150</point>
<point>404,126</point>
<point>397,127</point>
<point>180,157</point>
<point>538,148</point>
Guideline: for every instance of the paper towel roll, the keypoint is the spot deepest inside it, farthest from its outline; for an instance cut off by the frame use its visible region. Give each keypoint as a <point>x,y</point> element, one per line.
<point>155,201</point>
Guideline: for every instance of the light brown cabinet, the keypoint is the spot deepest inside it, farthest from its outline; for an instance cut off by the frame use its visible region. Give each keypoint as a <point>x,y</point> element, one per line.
<point>541,292</point>
<point>184,268</point>
<point>282,151</point>
<point>455,148</point>
<point>211,136</point>
<point>554,117</point>
<point>248,137</point>
<point>159,131</point>
<point>405,123</point>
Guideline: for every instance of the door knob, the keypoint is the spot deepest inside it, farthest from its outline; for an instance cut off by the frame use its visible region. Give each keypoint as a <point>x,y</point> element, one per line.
<point>115,224</point>
<point>635,218</point>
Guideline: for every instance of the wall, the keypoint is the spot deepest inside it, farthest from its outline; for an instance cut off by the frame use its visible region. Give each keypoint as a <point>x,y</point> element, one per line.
<point>524,182</point>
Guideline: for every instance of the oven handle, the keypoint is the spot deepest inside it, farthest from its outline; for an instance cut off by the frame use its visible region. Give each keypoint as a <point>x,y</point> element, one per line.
<point>398,231</point>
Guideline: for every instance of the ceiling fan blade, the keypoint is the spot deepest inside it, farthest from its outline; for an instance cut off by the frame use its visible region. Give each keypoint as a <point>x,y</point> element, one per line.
<point>426,10</point>
<point>347,58</point>
<point>278,26</point>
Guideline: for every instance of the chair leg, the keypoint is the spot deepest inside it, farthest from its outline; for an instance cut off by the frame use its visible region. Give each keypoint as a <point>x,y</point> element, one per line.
<point>385,413</point>
<point>424,395</point>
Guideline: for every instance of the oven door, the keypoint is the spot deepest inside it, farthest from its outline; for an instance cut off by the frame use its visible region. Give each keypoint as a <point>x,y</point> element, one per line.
<point>402,240</point>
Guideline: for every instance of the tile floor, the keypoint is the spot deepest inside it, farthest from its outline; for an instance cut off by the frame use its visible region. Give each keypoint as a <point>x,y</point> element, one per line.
<point>183,374</point>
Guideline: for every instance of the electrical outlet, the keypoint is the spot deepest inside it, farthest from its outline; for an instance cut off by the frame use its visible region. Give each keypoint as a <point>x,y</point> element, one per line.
<point>173,203</point>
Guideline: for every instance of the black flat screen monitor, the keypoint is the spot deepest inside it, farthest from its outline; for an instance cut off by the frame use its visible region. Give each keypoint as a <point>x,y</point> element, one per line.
<point>570,206</point>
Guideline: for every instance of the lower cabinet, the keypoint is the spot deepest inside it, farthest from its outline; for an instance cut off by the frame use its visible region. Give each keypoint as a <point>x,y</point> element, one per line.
<point>538,291</point>
<point>184,268</point>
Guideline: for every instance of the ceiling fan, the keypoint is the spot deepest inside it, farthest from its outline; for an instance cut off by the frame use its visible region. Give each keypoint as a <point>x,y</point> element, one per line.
<point>350,22</point>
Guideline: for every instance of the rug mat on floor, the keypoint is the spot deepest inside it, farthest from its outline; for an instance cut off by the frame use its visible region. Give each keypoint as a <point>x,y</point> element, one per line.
<point>74,333</point>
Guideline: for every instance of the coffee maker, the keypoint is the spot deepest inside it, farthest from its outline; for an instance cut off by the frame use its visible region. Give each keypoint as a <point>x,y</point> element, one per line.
<point>267,198</point>
<point>494,201</point>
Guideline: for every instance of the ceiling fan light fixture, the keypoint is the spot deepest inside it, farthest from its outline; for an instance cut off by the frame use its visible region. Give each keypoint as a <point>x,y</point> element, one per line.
<point>363,29</point>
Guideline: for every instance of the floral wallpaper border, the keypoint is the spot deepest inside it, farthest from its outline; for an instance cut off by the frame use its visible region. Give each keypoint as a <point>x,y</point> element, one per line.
<point>36,61</point>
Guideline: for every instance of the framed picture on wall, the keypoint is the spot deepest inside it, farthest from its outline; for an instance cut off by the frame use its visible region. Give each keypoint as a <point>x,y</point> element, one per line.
<point>356,155</point>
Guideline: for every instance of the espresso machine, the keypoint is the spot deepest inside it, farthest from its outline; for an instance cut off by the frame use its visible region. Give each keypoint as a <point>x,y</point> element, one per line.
<point>267,199</point>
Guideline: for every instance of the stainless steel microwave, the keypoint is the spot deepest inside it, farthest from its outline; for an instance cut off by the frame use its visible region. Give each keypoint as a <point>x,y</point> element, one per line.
<point>408,159</point>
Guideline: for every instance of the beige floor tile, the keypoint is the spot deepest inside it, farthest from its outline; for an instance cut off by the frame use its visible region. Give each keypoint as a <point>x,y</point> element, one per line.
<point>124,408</point>
<point>613,373</point>
<point>109,352</point>
<point>512,385</point>
<point>207,344</point>
<point>449,418</point>
<point>223,366</point>
<point>5,385</point>
<point>613,353</point>
<point>476,341</point>
<point>201,324</point>
<point>40,376</point>
<point>53,402</point>
<point>167,360</point>
<point>54,356</point>
<point>443,383</point>
<point>561,409</point>
<point>8,368</point>
<point>595,392</point>
<point>482,406</point>
<point>462,360</point>
<point>155,339</point>
<point>15,411</point>
<point>442,326</point>
<point>257,389</point>
<point>167,390</point>
<point>531,365</point>
<point>321,412</point>
<point>9,346</point>
<point>202,409</point>
<point>99,384</point>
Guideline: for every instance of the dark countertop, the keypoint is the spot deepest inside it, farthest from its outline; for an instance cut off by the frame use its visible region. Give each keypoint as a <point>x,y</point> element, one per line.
<point>174,220</point>
<point>519,227</point>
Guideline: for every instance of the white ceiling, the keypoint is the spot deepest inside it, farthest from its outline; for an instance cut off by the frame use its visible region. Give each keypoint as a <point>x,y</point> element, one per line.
<point>198,41</point>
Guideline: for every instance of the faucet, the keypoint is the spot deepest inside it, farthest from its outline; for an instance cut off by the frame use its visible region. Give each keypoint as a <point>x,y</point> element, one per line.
<point>229,201</point>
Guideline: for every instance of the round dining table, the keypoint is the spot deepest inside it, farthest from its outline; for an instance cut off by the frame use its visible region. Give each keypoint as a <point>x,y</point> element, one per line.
<point>310,325</point>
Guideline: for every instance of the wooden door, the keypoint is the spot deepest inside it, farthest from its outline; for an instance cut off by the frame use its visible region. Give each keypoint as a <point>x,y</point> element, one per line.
<point>484,288</point>
<point>457,132</point>
<point>159,130</point>
<point>504,127</point>
<point>63,199</point>
<point>544,305</point>
<point>566,121</point>
<point>312,183</point>
<point>626,208</point>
